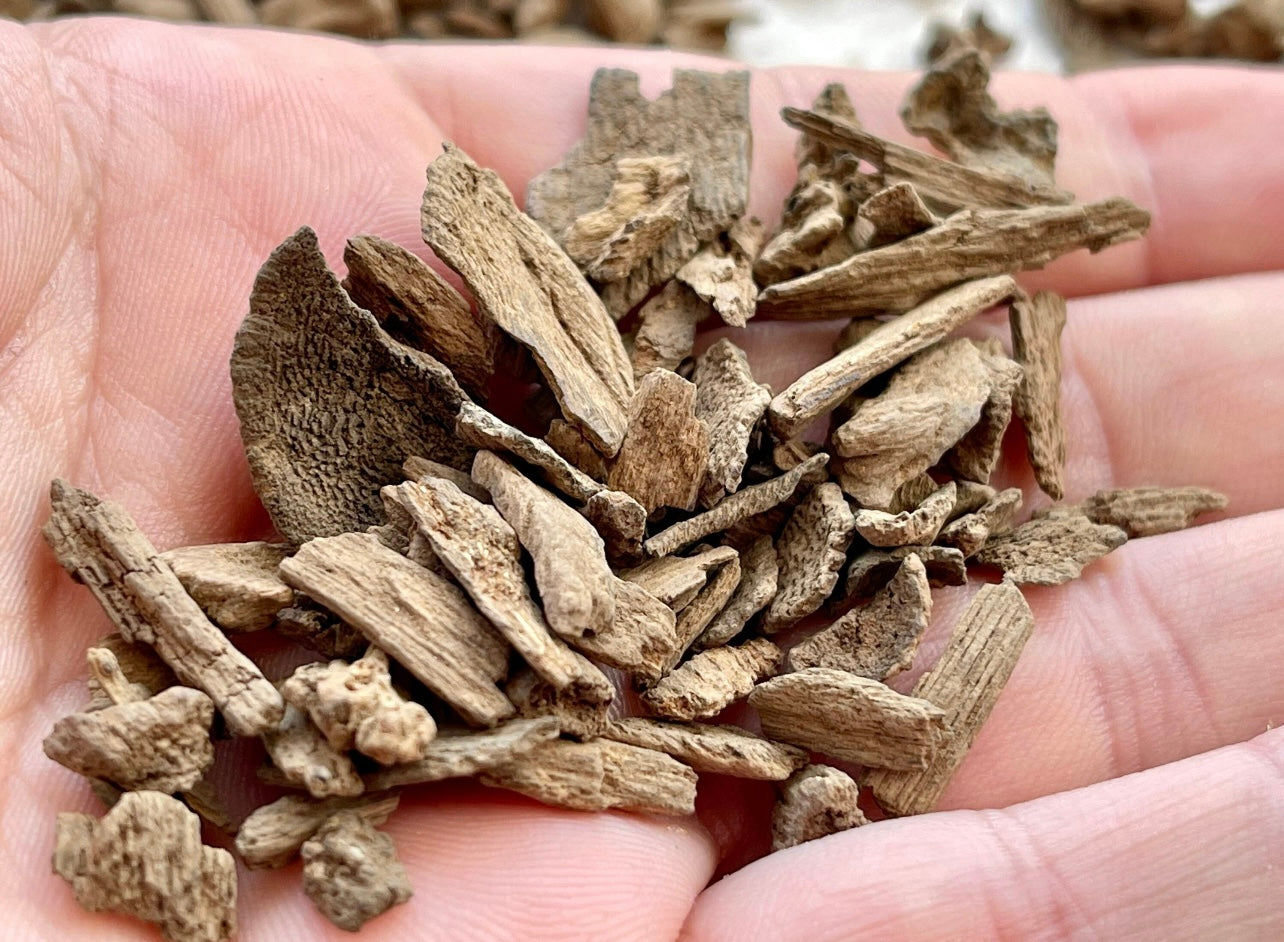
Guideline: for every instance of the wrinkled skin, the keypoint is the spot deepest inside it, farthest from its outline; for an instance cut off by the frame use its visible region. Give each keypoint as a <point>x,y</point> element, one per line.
<point>146,171</point>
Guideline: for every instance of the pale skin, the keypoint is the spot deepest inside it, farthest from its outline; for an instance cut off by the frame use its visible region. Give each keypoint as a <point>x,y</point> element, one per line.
<point>146,171</point>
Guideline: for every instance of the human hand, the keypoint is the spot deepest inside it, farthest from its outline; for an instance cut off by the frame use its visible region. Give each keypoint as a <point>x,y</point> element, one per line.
<point>145,173</point>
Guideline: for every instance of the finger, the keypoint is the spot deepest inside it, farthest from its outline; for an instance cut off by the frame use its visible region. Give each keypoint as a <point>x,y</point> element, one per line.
<point>1188,851</point>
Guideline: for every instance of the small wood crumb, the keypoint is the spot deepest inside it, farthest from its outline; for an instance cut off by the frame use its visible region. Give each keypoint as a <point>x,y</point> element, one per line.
<point>1149,511</point>
<point>712,681</point>
<point>893,213</point>
<point>621,523</point>
<point>817,801</point>
<point>970,532</point>
<point>722,272</point>
<point>460,754</point>
<point>307,759</point>
<point>1036,344</point>
<point>909,527</point>
<point>731,404</point>
<point>122,672</point>
<point>665,452</point>
<point>721,750</point>
<point>1050,550</point>
<point>235,584</point>
<point>274,833</point>
<point>871,570</point>
<point>351,871</point>
<point>697,615</point>
<point>811,550</point>
<point>759,571</point>
<point>675,580</point>
<point>480,428</point>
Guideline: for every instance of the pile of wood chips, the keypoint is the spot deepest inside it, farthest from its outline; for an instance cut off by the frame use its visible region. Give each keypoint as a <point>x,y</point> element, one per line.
<point>495,604</point>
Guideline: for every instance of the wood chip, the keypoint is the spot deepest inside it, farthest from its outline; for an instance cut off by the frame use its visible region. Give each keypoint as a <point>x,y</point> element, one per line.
<point>697,615</point>
<point>307,760</point>
<point>721,750</point>
<point>99,544</point>
<point>970,532</point>
<point>667,328</point>
<point>976,454</point>
<point>122,671</point>
<point>722,272</point>
<point>597,775</point>
<point>419,618</point>
<point>759,572</point>
<point>235,584</point>
<point>576,716</point>
<point>879,639</point>
<point>416,468</point>
<point>811,549</point>
<point>666,449</point>
<point>847,717</point>
<point>910,495</point>
<point>144,858</point>
<point>1148,511</point>
<point>621,523</point>
<point>527,286</point>
<point>319,630</point>
<point>965,683</point>
<point>569,442</point>
<point>641,639</point>
<point>893,213</point>
<point>672,579</point>
<point>1050,550</point>
<point>1036,344</point>
<point>625,21</point>
<point>351,871</point>
<point>478,427</point>
<point>948,40</point>
<point>871,570</point>
<point>817,801</point>
<point>458,754</point>
<point>274,833</point>
<point>971,497</point>
<point>730,403</point>
<point>305,360</point>
<point>909,527</point>
<point>713,680</point>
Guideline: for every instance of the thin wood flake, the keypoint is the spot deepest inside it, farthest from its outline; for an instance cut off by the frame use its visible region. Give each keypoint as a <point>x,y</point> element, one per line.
<point>665,452</point>
<point>970,532</point>
<point>274,833</point>
<point>1050,550</point>
<point>235,584</point>
<point>1149,511</point>
<point>976,454</point>
<point>811,550</point>
<point>722,750</point>
<point>712,681</point>
<point>1036,344</point>
<point>478,427</point>
<point>459,754</point>
<point>759,573</point>
<point>909,527</point>
<point>722,272</point>
<point>730,403</point>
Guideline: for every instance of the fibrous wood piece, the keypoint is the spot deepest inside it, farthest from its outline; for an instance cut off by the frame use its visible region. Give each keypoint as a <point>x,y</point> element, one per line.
<point>235,584</point>
<point>667,328</point>
<point>621,523</point>
<point>819,390</point>
<point>697,615</point>
<point>329,404</point>
<point>817,801</point>
<point>739,506</point>
<point>418,307</point>
<point>575,583</point>
<point>308,760</point>
<point>948,40</point>
<point>909,527</point>
<point>722,272</point>
<point>893,213</point>
<point>841,715</point>
<point>712,680</point>
<point>641,638</point>
<point>874,568</point>
<point>1148,511</point>
<point>730,403</point>
<point>569,442</point>
<point>975,243</point>
<point>976,454</point>
<point>965,683</point>
<point>478,427</point>
<point>456,754</point>
<point>878,639</point>
<point>1050,550</point>
<point>527,286</point>
<point>811,549</point>
<point>969,533</point>
<point>597,775</point>
<point>416,468</point>
<point>319,630</point>
<point>722,750</point>
<point>99,544</point>
<point>1036,344</point>
<point>419,618</point>
<point>665,452</point>
<point>351,871</point>
<point>274,833</point>
<point>576,716</point>
<point>759,571</point>
<point>144,858</point>
<point>674,578</point>
<point>625,21</point>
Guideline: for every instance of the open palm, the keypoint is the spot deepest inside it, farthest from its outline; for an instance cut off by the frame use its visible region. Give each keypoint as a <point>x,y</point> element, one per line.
<point>146,171</point>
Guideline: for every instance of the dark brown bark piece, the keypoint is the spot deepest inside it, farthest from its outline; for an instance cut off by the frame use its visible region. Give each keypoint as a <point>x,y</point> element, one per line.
<point>417,468</point>
<point>893,213</point>
<point>970,532</point>
<point>235,584</point>
<point>478,427</point>
<point>811,550</point>
<point>667,328</point>
<point>815,802</point>
<point>351,871</point>
<point>696,616</point>
<point>274,833</point>
<point>666,449</point>
<point>721,750</point>
<point>1036,344</point>
<point>1149,511</point>
<point>675,580</point>
<point>730,403</point>
<point>458,754</point>
<point>873,569</point>
<point>569,442</point>
<point>722,272</point>
<point>759,572</point>
<point>909,527</point>
<point>307,760</point>
<point>1050,550</point>
<point>576,716</point>
<point>712,681</point>
<point>329,404</point>
<point>976,454</point>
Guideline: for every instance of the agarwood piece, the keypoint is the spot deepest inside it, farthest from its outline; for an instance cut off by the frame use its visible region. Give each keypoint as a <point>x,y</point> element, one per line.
<point>976,454</point>
<point>893,213</point>
<point>700,25</point>
<point>841,715</point>
<point>122,672</point>
<point>308,624</point>
<point>1149,511</point>
<point>759,573</point>
<point>730,403</point>
<point>351,871</point>
<point>417,468</point>
<point>621,523</point>
<point>739,506</point>
<point>965,683</point>
<point>576,716</point>
<point>1050,550</point>
<point>815,802</point>
<point>1036,344</point>
<point>274,833</point>
<point>144,858</point>
<point>665,452</point>
<point>811,549</point>
<point>699,613</point>
<point>909,527</point>
<point>526,285</point>
<point>970,498</point>
<point>418,617</point>
<point>712,681</point>
<point>722,750</point>
<point>821,389</point>
<point>970,532</point>
<point>878,639</point>
<point>874,568</point>
<point>673,579</point>
<point>420,308</point>
<point>571,572</point>
<point>722,272</point>
<point>569,442</point>
<point>910,495</point>
<point>597,775</point>
<point>641,639</point>
<point>667,328</point>
<point>306,361</point>
<point>459,754</point>
<point>235,584</point>
<point>99,544</point>
<point>307,759</point>
<point>973,243</point>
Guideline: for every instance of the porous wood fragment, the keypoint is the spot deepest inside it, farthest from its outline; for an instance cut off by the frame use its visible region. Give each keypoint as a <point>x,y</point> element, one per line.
<point>759,571</point>
<point>673,578</point>
<point>974,243</point>
<point>1050,550</point>
<point>319,630</point>
<point>667,327</point>
<point>819,390</point>
<point>351,871</point>
<point>893,213</point>
<point>329,404</point>
<point>730,403</point>
<point>722,272</point>
<point>575,583</point>
<point>99,544</point>
<point>569,442</point>
<point>478,427</point>
<point>576,716</point>
<point>878,639</point>
<point>416,468</point>
<point>697,615</point>
<point>976,454</point>
<point>526,285</point>
<point>418,617</point>
<point>1036,344</point>
<point>274,833</point>
<point>712,680</point>
<point>625,21</point>
<point>235,584</point>
<point>665,452</point>
<point>597,775</point>
<point>841,715</point>
<point>965,683</point>
<point>418,307</point>
<point>733,509</point>
<point>722,750</point>
<point>161,743</point>
<point>871,570</point>
<point>970,532</point>
<point>948,40</point>
<point>308,760</point>
<point>144,858</point>
<point>811,549</point>
<point>909,527</point>
<point>1148,511</point>
<point>459,754</point>
<point>815,802</point>
<point>621,523</point>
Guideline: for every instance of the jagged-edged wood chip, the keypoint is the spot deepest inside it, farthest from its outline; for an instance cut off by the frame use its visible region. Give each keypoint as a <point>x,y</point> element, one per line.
<point>569,442</point>
<point>576,716</point>
<point>1036,324</point>
<point>811,549</point>
<point>730,403</point>
<point>351,871</point>
<point>909,527</point>
<point>893,213</point>
<point>235,584</point>
<point>969,532</point>
<point>274,833</point>
<point>527,286</point>
<point>1050,550</point>
<point>621,523</point>
<point>759,572</point>
<point>641,638</point>
<point>722,750</point>
<point>965,683</point>
<point>871,570</point>
<point>459,754</point>
<point>841,715</point>
<point>697,615</point>
<point>329,404</point>
<point>712,681</point>
<point>878,639</point>
<point>478,427</point>
<point>817,801</point>
<point>1149,511</point>
<point>675,580</point>
<point>976,455</point>
<point>722,272</point>
<point>665,452</point>
<point>417,468</point>
<point>667,328</point>
<point>307,760</point>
